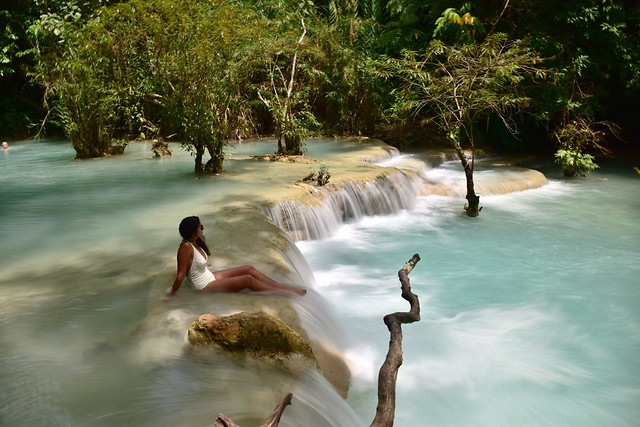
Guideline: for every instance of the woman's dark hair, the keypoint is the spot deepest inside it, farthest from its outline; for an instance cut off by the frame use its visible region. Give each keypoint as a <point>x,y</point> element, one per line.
<point>188,227</point>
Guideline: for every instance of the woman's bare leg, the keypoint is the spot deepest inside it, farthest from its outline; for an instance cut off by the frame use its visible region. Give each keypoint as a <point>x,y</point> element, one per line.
<point>252,271</point>
<point>238,283</point>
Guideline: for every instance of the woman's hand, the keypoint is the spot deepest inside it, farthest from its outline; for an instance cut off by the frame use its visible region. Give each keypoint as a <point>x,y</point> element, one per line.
<point>168,295</point>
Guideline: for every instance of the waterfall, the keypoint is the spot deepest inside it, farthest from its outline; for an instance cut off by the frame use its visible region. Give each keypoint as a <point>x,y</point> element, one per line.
<point>342,202</point>
<point>320,215</point>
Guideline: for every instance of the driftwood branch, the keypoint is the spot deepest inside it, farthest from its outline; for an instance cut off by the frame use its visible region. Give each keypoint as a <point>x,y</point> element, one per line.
<point>224,421</point>
<point>389,370</point>
<point>388,374</point>
<point>272,421</point>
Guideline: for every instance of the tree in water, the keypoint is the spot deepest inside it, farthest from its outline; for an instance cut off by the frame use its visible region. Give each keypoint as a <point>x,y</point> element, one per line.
<point>280,94</point>
<point>81,91</point>
<point>456,85</point>
<point>203,77</point>
<point>137,67</point>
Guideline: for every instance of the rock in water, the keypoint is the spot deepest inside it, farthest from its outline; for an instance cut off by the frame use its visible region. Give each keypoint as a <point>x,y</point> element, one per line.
<point>270,339</point>
<point>256,333</point>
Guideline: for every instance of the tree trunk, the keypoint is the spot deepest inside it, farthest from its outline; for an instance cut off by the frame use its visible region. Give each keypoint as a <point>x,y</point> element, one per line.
<point>387,377</point>
<point>198,159</point>
<point>473,207</point>
<point>214,165</point>
<point>293,145</point>
<point>280,149</point>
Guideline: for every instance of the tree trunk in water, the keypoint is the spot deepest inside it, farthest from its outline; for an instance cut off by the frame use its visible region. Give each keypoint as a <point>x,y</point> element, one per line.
<point>214,165</point>
<point>293,145</point>
<point>280,149</point>
<point>198,165</point>
<point>473,207</point>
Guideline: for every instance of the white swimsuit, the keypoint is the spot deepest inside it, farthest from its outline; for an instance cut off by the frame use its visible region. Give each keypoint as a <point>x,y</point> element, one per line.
<point>199,274</point>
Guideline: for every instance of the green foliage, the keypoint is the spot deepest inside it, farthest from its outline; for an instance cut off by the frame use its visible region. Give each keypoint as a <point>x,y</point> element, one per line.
<point>344,89</point>
<point>455,85</point>
<point>574,162</point>
<point>591,48</point>
<point>577,136</point>
<point>405,26</point>
<point>141,68</point>
<point>81,90</point>
<point>319,178</point>
<point>194,69</point>
<point>283,91</point>
<point>458,26</point>
<point>200,79</point>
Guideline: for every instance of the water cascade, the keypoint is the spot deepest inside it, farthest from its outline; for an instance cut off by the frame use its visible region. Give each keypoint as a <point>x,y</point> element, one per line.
<point>324,209</point>
<point>329,207</point>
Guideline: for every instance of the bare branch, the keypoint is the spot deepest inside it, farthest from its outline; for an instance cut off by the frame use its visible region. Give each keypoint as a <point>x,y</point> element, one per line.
<point>295,58</point>
<point>387,376</point>
<point>224,421</point>
<point>272,421</point>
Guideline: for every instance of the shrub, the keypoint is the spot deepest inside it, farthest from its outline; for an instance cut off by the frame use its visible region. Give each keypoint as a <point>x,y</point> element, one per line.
<point>574,162</point>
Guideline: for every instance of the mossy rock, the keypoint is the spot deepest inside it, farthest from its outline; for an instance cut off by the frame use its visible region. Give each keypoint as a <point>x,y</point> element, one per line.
<point>256,333</point>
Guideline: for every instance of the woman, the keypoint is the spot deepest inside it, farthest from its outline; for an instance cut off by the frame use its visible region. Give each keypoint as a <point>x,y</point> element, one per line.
<point>193,255</point>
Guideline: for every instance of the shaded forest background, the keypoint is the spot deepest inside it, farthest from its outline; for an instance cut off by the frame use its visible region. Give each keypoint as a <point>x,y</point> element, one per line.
<point>102,73</point>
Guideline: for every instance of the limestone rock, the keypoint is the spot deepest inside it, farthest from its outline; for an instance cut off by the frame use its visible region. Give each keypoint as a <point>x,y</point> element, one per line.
<point>256,333</point>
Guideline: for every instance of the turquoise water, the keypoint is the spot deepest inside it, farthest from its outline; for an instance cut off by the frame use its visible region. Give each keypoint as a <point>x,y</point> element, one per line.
<point>530,313</point>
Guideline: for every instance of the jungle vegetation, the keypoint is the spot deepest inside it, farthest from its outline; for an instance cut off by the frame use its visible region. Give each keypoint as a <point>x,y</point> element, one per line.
<point>561,78</point>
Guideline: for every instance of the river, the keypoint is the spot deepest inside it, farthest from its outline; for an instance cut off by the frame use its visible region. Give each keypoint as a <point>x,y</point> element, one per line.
<point>530,312</point>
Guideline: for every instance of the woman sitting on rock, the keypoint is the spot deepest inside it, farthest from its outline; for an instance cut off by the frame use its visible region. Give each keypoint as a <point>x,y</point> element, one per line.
<point>193,255</point>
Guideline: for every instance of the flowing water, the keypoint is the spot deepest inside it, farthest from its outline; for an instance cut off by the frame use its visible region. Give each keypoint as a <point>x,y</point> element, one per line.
<point>530,313</point>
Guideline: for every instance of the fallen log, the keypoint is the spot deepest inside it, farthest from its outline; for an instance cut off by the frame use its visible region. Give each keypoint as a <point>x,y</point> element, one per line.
<point>389,370</point>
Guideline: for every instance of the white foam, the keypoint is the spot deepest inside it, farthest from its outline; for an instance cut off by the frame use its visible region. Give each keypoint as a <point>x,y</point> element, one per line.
<point>495,346</point>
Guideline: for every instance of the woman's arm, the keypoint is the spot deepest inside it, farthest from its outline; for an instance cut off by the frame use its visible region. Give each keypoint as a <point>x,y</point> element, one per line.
<point>185,258</point>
